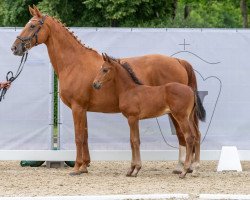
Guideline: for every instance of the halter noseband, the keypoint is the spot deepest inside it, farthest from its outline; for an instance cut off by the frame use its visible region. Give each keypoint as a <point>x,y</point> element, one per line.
<point>27,40</point>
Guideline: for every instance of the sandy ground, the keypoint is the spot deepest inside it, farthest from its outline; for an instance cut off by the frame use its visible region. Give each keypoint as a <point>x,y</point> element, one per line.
<point>109,178</point>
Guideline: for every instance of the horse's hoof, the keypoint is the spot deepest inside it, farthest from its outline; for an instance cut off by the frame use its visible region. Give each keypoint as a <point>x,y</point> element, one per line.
<point>189,171</point>
<point>75,173</point>
<point>176,171</point>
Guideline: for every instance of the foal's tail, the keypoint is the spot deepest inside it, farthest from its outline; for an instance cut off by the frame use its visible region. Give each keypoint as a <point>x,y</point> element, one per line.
<point>199,108</point>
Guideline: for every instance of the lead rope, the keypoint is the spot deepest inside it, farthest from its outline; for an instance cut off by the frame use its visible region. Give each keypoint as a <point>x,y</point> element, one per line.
<point>10,75</point>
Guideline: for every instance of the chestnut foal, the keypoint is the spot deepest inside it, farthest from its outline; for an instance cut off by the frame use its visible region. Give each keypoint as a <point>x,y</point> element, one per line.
<point>137,101</point>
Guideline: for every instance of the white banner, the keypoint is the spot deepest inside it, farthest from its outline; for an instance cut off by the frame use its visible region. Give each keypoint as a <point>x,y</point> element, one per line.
<point>221,61</point>
<point>26,110</point>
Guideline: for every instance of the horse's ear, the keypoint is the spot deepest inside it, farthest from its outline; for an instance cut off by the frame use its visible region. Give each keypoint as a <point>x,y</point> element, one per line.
<point>32,11</point>
<point>37,11</point>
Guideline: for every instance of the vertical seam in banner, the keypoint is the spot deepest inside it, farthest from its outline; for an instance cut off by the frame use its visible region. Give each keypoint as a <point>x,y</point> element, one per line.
<point>58,118</point>
<point>51,105</point>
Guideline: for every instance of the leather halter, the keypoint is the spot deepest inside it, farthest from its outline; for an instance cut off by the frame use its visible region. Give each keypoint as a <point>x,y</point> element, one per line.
<point>26,41</point>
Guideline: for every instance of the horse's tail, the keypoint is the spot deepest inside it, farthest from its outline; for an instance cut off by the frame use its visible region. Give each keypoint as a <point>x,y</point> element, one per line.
<point>190,72</point>
<point>200,112</point>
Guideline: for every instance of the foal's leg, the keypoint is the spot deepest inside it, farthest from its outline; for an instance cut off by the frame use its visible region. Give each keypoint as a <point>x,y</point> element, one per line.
<point>182,146</point>
<point>189,137</point>
<point>135,146</point>
<point>79,115</point>
<point>196,163</point>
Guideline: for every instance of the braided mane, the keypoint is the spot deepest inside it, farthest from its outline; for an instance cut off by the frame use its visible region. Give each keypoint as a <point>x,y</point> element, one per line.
<point>72,33</point>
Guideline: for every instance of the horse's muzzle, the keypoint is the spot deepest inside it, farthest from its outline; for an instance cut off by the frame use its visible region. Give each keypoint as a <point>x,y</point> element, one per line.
<point>18,50</point>
<point>97,85</point>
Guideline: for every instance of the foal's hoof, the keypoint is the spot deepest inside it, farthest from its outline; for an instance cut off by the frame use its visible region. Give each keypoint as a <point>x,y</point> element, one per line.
<point>83,169</point>
<point>75,173</point>
<point>176,171</point>
<point>133,172</point>
<point>189,171</point>
<point>182,175</point>
<point>131,175</point>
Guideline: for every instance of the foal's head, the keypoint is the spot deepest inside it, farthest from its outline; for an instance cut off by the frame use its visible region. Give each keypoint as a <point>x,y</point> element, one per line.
<point>35,32</point>
<point>106,73</point>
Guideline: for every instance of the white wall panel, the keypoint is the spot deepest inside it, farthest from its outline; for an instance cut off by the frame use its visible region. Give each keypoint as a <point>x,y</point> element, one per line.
<point>221,60</point>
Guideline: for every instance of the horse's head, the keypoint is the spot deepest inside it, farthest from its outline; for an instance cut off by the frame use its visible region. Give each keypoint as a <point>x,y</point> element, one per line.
<point>35,32</point>
<point>106,73</point>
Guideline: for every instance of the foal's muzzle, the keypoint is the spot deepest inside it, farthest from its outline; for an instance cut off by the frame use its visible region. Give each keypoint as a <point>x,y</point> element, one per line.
<point>97,85</point>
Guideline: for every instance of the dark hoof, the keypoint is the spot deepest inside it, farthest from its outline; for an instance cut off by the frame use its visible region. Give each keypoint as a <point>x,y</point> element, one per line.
<point>189,171</point>
<point>76,173</point>
<point>84,171</point>
<point>176,171</point>
<point>131,175</point>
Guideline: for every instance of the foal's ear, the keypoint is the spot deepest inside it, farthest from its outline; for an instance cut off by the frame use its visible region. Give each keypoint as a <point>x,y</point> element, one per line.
<point>104,57</point>
<point>32,11</point>
<point>108,59</point>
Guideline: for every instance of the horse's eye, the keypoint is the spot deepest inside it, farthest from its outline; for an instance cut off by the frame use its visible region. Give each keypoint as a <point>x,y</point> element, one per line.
<point>32,26</point>
<point>105,70</point>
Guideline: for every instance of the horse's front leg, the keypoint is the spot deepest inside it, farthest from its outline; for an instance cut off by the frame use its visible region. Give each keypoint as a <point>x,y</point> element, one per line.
<point>81,140</point>
<point>85,148</point>
<point>135,146</point>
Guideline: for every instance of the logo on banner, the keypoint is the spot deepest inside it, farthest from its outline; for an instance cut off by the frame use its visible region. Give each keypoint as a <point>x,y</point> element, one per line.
<point>209,90</point>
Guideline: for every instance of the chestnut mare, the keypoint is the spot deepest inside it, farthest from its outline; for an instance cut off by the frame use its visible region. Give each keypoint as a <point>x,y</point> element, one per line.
<point>138,101</point>
<point>76,67</point>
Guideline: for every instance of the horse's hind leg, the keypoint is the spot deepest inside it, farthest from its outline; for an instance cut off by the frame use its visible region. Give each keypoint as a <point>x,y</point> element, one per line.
<point>135,146</point>
<point>182,146</point>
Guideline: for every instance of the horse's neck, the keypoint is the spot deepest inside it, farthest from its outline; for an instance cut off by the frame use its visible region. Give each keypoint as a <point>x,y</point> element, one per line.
<point>63,48</point>
<point>123,80</point>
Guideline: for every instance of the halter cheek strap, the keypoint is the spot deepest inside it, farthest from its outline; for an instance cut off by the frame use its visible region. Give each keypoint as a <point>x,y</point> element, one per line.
<point>27,40</point>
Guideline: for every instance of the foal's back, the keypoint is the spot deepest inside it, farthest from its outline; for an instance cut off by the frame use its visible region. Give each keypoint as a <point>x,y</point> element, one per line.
<point>153,101</point>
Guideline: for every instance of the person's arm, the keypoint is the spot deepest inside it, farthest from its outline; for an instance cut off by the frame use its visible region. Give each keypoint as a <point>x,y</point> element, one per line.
<point>5,84</point>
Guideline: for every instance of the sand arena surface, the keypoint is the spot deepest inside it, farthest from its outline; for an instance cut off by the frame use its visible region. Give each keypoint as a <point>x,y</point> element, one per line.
<point>109,178</point>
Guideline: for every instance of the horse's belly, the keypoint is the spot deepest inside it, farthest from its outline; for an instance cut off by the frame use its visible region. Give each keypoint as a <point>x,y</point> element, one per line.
<point>104,108</point>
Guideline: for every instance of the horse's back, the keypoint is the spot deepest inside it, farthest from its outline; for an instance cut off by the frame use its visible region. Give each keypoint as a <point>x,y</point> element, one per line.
<point>156,69</point>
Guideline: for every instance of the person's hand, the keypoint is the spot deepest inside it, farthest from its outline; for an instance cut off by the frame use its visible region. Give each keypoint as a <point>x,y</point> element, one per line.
<point>5,84</point>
